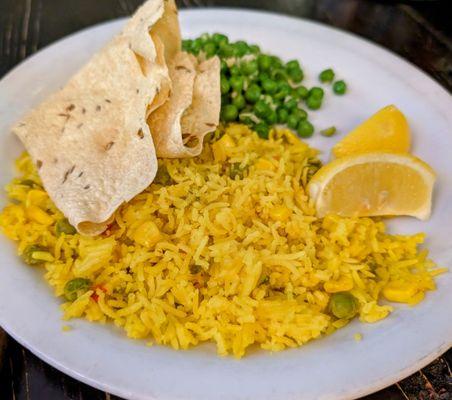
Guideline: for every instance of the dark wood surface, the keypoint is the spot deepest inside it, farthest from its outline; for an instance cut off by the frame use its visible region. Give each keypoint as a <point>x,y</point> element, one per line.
<point>419,31</point>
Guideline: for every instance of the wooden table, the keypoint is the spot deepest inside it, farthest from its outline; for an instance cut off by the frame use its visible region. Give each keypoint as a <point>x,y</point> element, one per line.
<point>418,31</point>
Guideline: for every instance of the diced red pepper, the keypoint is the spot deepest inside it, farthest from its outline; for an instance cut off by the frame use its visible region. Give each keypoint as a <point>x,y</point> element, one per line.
<point>95,296</point>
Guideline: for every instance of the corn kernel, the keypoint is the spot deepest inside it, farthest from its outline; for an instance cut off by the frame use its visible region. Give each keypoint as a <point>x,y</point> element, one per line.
<point>264,165</point>
<point>221,146</point>
<point>280,213</point>
<point>147,234</point>
<point>343,284</point>
<point>35,197</point>
<point>400,292</point>
<point>41,217</point>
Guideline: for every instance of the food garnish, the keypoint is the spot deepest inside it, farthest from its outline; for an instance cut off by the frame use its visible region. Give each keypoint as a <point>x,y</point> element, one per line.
<point>327,75</point>
<point>328,131</point>
<point>373,184</point>
<point>343,305</point>
<point>385,131</point>
<point>339,87</point>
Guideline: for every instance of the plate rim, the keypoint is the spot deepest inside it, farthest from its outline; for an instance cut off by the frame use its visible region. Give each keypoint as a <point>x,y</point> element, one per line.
<point>382,383</point>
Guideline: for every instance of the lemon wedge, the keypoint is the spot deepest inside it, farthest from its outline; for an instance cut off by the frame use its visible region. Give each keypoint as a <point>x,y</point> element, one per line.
<point>373,184</point>
<point>385,131</point>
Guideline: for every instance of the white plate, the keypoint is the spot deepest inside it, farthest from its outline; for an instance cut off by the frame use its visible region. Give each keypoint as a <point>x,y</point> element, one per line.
<point>335,367</point>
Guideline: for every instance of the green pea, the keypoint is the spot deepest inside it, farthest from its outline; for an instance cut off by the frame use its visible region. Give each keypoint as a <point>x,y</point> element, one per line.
<point>250,67</point>
<point>276,62</point>
<point>339,87</point>
<point>254,49</point>
<point>262,130</point>
<point>282,115</point>
<point>63,226</point>
<point>263,76</point>
<point>326,75</point>
<point>292,64</point>
<point>291,104</point>
<point>210,49</point>
<point>240,48</point>
<point>30,250</point>
<point>245,119</point>
<point>283,91</point>
<point>229,113</point>
<point>224,85</point>
<point>300,113</point>
<point>316,92</point>
<point>279,75</point>
<point>276,103</point>
<point>239,101</point>
<point>264,61</point>
<point>186,45</point>
<point>224,67</point>
<point>261,108</point>
<point>285,86</point>
<point>75,288</point>
<point>301,92</point>
<point>269,86</point>
<point>196,46</point>
<point>328,131</point>
<point>305,129</point>
<point>253,93</point>
<point>296,75</point>
<point>236,83</point>
<point>313,103</point>
<point>292,121</point>
<point>343,305</point>
<point>234,70</point>
<point>271,117</point>
<point>219,39</point>
<point>225,99</point>
<point>204,37</point>
<point>226,50</point>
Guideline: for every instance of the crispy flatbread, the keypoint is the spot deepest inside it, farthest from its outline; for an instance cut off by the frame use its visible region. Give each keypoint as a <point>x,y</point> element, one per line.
<point>90,141</point>
<point>203,114</point>
<point>192,109</point>
<point>168,30</point>
<point>167,40</point>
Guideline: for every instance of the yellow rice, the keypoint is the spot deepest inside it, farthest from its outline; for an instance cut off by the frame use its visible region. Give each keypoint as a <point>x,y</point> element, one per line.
<point>237,262</point>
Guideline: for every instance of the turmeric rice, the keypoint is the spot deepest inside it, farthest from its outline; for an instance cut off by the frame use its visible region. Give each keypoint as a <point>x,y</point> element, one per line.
<point>223,248</point>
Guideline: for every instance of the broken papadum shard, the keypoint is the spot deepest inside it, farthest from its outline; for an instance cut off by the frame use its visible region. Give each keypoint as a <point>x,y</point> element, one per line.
<point>192,109</point>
